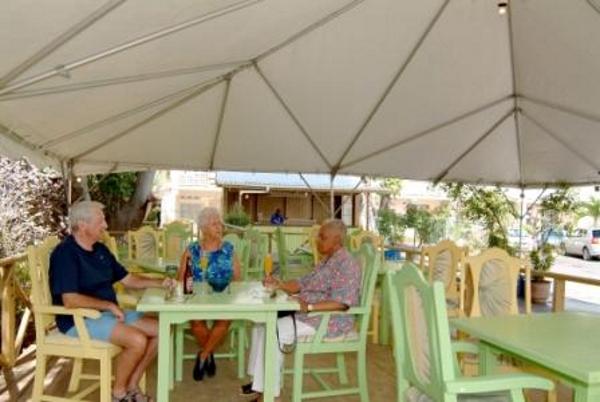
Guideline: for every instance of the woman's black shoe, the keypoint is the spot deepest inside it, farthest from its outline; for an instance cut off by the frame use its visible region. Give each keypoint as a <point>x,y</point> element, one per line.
<point>211,367</point>
<point>199,368</point>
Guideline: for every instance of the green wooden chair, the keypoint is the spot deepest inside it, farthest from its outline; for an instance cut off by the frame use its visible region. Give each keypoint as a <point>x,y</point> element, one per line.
<point>175,237</point>
<point>234,239</point>
<point>237,330</point>
<point>257,248</point>
<point>290,266</point>
<point>355,342</point>
<point>426,365</point>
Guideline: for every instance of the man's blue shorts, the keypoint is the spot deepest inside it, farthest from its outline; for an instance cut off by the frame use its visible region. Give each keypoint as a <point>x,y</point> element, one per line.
<point>102,327</point>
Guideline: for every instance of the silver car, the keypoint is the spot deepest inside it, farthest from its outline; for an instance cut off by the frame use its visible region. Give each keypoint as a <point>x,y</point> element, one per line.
<point>518,240</point>
<point>583,242</point>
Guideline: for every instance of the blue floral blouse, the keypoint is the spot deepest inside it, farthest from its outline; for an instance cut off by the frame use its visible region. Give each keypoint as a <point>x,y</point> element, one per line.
<point>220,262</point>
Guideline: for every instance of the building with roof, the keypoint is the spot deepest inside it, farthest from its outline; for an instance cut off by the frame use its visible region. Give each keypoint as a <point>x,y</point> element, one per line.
<point>304,199</point>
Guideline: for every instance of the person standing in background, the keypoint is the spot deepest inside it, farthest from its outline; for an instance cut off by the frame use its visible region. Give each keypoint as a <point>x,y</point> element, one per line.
<point>277,218</point>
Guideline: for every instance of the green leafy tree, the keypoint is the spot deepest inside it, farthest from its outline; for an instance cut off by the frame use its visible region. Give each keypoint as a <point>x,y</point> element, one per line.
<point>590,208</point>
<point>390,225</point>
<point>393,187</point>
<point>126,196</point>
<point>429,225</point>
<point>557,206</point>
<point>487,206</point>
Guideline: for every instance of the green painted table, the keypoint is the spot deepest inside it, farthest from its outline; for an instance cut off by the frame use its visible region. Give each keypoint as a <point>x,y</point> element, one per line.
<point>246,301</point>
<point>566,344</point>
<point>155,265</point>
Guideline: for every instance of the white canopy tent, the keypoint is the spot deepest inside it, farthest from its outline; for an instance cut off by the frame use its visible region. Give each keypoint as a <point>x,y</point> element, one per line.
<point>420,89</point>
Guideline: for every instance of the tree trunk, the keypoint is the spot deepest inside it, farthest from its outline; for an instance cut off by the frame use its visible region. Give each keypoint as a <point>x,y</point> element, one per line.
<point>132,213</point>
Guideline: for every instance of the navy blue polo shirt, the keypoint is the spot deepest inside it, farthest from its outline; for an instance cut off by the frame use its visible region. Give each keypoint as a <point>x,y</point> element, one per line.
<point>76,270</point>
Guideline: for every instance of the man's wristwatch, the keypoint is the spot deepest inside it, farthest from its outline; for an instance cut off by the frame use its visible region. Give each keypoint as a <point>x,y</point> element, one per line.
<point>309,307</point>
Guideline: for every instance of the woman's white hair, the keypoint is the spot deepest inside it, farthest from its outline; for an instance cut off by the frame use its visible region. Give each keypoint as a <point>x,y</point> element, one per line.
<point>206,214</point>
<point>336,227</point>
<point>83,211</point>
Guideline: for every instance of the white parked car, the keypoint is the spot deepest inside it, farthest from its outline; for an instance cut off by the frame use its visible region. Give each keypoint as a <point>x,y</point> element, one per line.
<point>583,242</point>
<point>526,241</point>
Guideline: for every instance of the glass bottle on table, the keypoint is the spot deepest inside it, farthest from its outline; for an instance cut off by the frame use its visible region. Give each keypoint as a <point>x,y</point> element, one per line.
<point>188,279</point>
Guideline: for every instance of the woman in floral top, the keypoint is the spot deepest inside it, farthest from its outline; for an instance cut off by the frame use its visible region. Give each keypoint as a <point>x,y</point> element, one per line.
<point>334,285</point>
<point>222,266</point>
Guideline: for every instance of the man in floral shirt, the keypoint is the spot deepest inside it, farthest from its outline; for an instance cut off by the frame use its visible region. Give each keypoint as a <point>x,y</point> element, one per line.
<point>334,285</point>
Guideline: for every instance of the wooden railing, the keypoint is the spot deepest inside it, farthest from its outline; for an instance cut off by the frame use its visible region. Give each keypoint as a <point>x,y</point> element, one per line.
<point>560,279</point>
<point>12,336</point>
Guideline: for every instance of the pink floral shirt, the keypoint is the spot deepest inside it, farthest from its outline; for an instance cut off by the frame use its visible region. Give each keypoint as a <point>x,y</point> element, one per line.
<point>337,278</point>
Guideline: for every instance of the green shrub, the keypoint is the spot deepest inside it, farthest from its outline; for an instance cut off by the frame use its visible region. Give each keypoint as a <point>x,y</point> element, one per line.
<point>237,216</point>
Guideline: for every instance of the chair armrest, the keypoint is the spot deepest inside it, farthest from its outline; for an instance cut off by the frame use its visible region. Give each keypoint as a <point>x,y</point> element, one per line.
<point>80,312</point>
<point>320,334</point>
<point>465,347</point>
<point>462,347</point>
<point>499,382</point>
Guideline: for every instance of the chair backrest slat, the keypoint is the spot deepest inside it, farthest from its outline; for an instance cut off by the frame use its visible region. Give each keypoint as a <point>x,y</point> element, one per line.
<point>489,284</point>
<point>369,263</point>
<point>144,243</point>
<point>423,352</point>
<point>39,263</point>
<point>257,248</point>
<point>443,262</point>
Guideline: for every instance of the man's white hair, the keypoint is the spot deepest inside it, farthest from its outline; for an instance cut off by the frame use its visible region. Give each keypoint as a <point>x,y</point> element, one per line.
<point>83,211</point>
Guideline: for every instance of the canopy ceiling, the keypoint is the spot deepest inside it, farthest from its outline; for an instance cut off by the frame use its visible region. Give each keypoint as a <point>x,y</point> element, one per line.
<point>422,89</point>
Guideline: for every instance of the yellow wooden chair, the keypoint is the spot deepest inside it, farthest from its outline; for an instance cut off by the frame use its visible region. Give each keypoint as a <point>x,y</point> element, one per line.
<point>351,343</point>
<point>426,365</point>
<point>50,342</point>
<point>489,287</point>
<point>442,262</point>
<point>110,242</point>
<point>489,284</point>
<point>364,236</point>
<point>144,243</point>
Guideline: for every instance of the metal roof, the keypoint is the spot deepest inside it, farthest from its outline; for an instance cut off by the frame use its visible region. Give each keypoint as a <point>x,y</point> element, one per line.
<point>294,181</point>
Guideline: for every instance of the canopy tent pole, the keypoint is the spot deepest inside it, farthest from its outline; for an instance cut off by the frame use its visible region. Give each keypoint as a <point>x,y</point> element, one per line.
<point>331,200</point>
<point>522,196</point>
<point>313,192</point>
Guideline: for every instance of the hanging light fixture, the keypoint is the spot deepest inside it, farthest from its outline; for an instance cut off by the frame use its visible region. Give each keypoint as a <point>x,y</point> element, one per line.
<point>502,7</point>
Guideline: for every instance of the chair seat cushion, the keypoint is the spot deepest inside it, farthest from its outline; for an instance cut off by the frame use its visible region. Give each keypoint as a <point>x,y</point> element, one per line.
<point>55,337</point>
<point>350,336</point>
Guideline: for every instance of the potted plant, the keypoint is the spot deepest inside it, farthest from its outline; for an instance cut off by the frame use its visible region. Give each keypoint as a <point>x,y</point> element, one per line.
<point>541,261</point>
<point>237,216</point>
